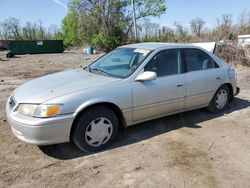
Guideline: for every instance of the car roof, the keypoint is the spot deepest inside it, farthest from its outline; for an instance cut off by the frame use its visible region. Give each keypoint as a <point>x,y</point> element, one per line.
<point>156,45</point>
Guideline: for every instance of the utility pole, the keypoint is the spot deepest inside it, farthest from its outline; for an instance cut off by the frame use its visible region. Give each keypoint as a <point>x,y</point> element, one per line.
<point>134,19</point>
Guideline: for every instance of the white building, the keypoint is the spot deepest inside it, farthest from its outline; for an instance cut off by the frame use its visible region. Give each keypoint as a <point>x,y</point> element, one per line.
<point>244,40</point>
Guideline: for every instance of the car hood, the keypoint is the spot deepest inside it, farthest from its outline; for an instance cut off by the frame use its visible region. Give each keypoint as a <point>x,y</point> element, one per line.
<point>58,84</point>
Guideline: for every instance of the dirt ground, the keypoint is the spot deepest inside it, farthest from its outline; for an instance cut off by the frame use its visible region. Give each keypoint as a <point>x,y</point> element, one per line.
<point>192,149</point>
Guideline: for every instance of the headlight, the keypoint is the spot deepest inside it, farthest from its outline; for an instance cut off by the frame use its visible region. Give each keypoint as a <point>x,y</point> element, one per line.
<point>27,109</point>
<point>43,110</point>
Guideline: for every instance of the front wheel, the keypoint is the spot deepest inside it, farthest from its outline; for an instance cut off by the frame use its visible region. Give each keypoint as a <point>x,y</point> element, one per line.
<point>95,129</point>
<point>220,100</point>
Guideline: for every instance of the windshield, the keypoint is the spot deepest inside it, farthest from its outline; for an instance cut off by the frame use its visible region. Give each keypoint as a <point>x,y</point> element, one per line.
<point>121,62</point>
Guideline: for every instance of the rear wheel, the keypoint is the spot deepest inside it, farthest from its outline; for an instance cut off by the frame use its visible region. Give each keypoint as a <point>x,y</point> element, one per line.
<point>95,129</point>
<point>220,100</point>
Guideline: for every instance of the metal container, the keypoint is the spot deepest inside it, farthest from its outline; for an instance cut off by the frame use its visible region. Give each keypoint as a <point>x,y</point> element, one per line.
<point>20,47</point>
<point>3,44</point>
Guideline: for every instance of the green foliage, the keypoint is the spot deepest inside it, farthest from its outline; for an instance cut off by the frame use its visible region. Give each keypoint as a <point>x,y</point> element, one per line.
<point>105,24</point>
<point>106,42</point>
<point>70,29</point>
<point>59,36</point>
<point>146,8</point>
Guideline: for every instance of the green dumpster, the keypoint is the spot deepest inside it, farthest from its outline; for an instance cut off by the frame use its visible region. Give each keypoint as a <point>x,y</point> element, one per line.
<point>20,47</point>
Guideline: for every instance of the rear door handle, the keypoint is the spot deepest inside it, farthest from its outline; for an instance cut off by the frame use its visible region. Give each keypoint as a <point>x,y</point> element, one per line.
<point>179,85</point>
<point>218,78</point>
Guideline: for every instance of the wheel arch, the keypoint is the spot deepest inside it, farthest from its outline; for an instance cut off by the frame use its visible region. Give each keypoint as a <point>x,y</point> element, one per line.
<point>122,122</point>
<point>231,92</point>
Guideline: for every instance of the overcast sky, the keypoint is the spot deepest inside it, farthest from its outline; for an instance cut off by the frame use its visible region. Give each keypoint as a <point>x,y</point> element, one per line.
<point>53,11</point>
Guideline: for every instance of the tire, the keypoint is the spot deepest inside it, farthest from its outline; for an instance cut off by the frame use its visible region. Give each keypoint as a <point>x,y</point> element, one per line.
<point>220,100</point>
<point>9,55</point>
<point>95,129</point>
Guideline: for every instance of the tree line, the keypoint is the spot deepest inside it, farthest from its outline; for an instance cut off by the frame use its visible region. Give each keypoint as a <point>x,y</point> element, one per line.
<point>108,24</point>
<point>197,31</point>
<point>11,29</point>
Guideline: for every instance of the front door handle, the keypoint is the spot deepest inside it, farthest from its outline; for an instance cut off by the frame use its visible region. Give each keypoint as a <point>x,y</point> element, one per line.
<point>218,78</point>
<point>179,85</point>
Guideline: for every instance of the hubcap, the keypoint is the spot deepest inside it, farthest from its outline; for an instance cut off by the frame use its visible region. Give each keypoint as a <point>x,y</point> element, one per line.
<point>98,131</point>
<point>221,99</point>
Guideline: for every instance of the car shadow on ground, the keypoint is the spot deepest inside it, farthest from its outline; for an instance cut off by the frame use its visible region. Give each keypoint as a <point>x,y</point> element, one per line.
<point>147,130</point>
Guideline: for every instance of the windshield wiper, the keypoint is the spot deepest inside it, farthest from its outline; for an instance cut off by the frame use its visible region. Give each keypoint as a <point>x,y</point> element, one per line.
<point>99,71</point>
<point>86,68</point>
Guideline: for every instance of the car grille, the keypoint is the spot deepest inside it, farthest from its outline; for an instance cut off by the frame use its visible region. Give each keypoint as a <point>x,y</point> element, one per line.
<point>12,102</point>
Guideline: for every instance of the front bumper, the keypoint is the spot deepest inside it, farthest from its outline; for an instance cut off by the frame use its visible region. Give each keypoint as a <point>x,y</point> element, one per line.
<point>39,131</point>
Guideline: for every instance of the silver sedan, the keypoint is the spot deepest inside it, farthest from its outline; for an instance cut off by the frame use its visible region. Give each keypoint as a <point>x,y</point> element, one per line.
<point>131,84</point>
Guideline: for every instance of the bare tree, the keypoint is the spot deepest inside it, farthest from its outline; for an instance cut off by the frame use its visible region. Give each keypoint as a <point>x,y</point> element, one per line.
<point>14,27</point>
<point>11,29</point>
<point>225,21</point>
<point>52,32</point>
<point>1,32</point>
<point>180,29</point>
<point>196,26</point>
<point>244,22</point>
<point>27,32</point>
<point>168,34</point>
<point>150,29</point>
<point>224,26</point>
<point>41,33</point>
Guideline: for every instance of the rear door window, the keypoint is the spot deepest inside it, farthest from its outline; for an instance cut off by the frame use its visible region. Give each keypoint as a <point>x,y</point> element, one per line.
<point>196,59</point>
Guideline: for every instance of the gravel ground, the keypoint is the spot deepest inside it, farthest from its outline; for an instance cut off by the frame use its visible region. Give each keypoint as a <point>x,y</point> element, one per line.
<point>192,149</point>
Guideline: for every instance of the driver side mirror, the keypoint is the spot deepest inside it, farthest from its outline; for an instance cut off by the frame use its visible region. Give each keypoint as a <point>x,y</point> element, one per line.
<point>146,76</point>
